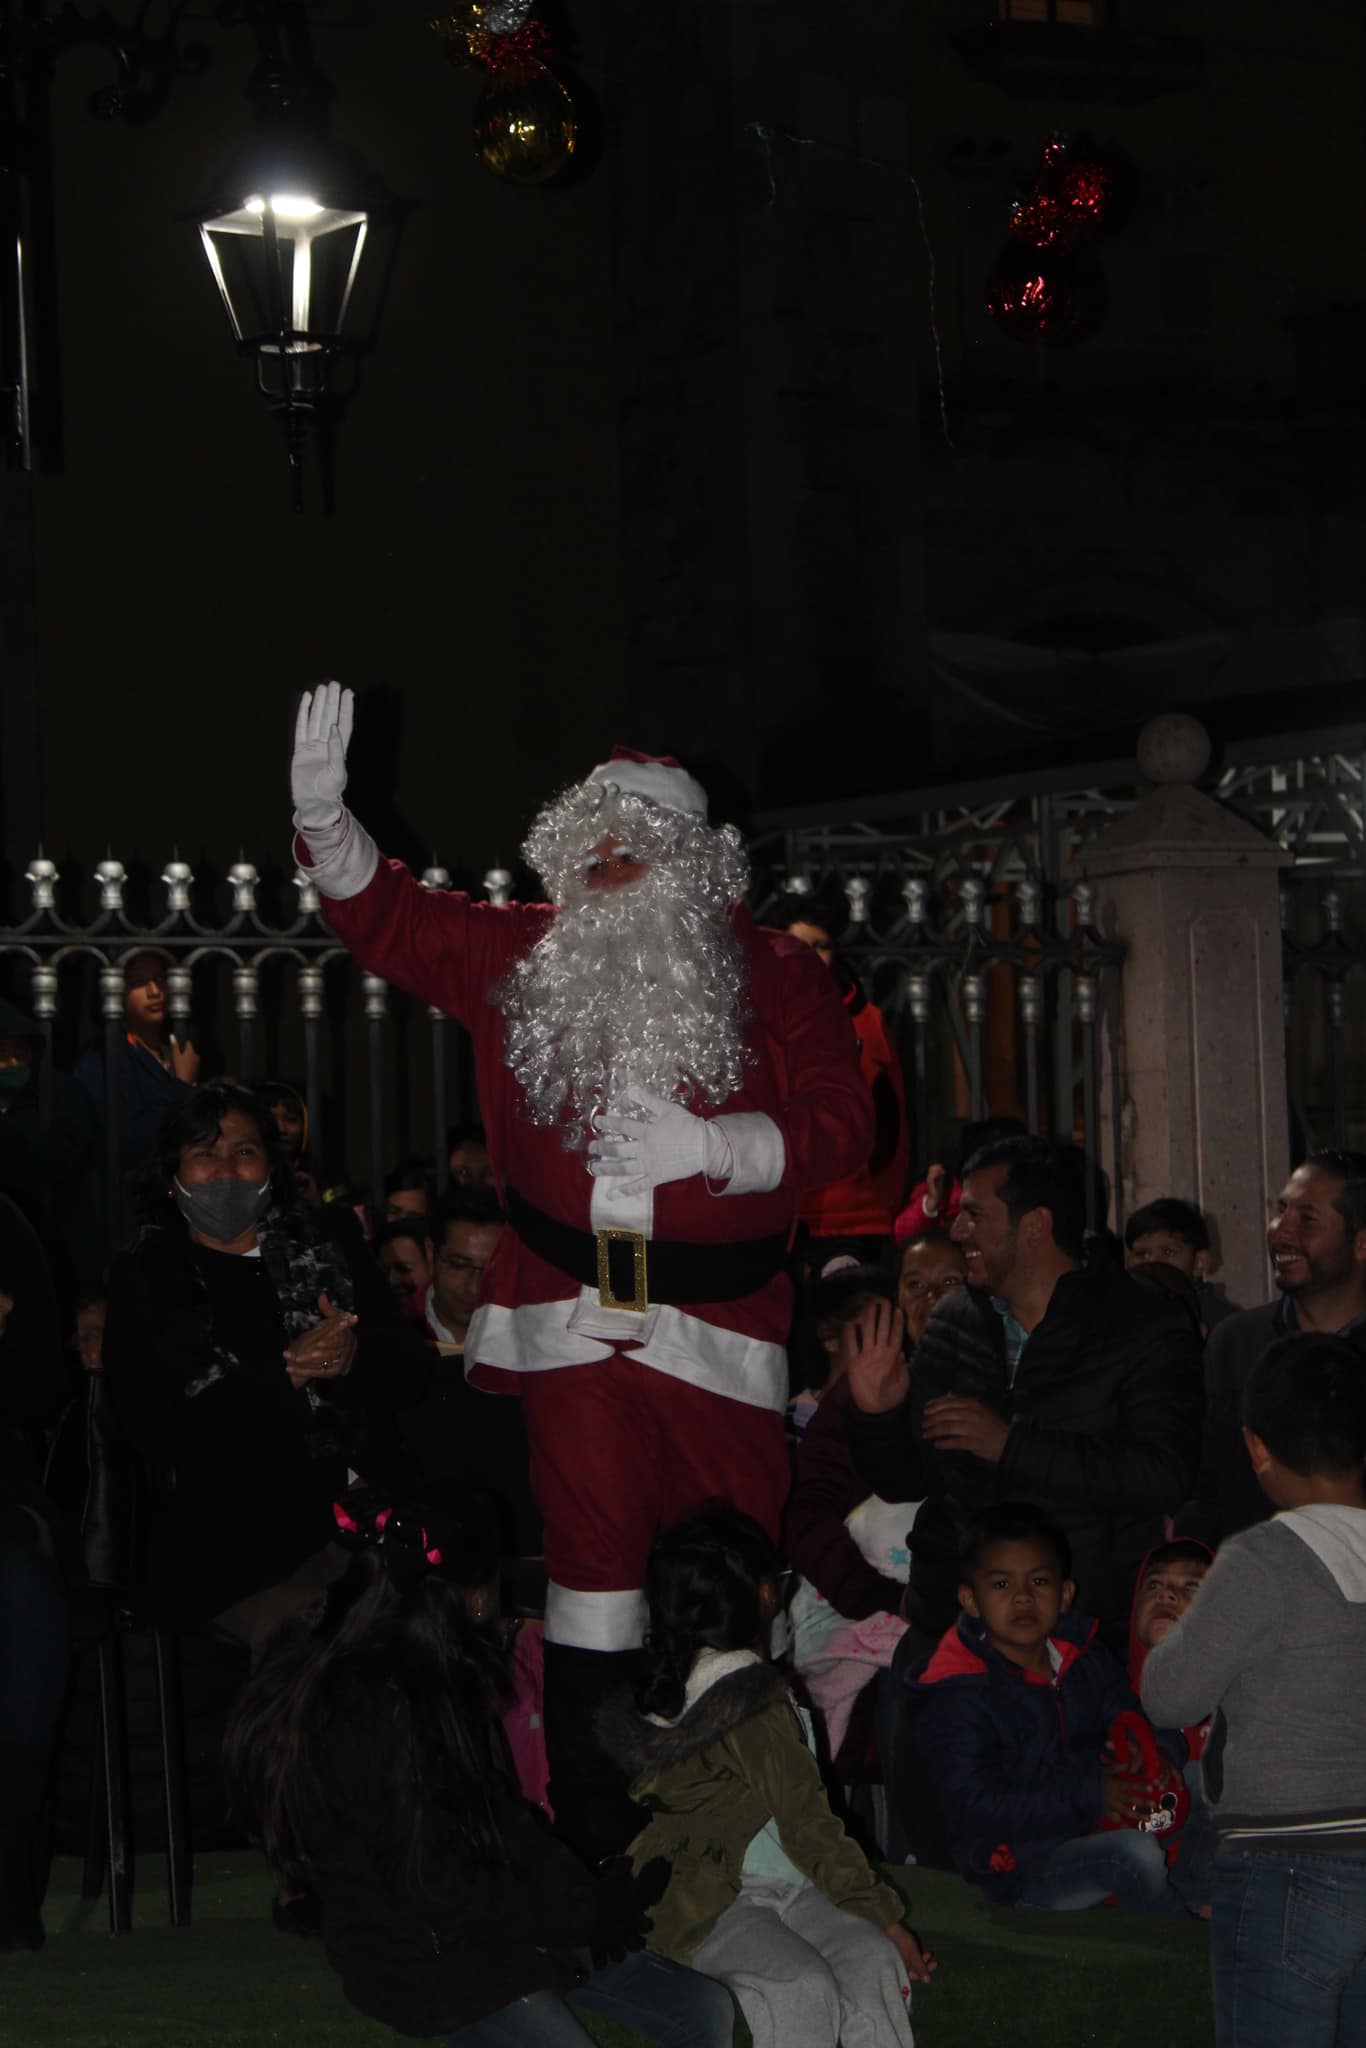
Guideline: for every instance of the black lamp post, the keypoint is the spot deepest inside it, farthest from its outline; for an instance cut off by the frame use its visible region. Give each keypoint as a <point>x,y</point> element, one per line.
<point>285,237</point>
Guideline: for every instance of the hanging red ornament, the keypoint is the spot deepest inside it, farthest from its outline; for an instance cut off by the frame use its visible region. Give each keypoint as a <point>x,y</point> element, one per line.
<point>1068,199</point>
<point>523,53</point>
<point>1045,295</point>
<point>1043,287</point>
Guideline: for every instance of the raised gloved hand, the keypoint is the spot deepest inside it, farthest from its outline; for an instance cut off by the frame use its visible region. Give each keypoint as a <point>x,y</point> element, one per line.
<point>660,1142</point>
<point>621,1909</point>
<point>317,773</point>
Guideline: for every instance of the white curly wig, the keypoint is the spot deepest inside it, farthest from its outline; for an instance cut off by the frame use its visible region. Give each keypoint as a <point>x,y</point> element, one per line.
<point>642,984</point>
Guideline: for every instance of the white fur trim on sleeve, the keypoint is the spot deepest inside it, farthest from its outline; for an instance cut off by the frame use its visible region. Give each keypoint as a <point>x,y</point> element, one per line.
<point>594,1621</point>
<point>345,857</point>
<point>758,1156</point>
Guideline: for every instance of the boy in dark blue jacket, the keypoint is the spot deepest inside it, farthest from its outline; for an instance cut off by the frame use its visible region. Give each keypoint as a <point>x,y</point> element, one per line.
<point>1012,1718</point>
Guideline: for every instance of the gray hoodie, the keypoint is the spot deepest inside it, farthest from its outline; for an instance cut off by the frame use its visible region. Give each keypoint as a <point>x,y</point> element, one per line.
<point>1274,1644</point>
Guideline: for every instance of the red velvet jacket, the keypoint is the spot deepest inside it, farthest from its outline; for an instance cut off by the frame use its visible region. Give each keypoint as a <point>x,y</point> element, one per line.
<point>804,1076</point>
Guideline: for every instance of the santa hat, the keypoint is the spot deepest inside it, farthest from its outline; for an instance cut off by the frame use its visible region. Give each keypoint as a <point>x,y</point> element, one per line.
<point>657,777</point>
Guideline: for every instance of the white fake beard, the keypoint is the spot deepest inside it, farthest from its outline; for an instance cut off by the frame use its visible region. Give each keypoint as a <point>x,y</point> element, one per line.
<point>642,984</point>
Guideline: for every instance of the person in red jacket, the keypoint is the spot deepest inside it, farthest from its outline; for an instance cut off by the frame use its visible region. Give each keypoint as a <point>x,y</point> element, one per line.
<point>660,1083</point>
<point>854,1214</point>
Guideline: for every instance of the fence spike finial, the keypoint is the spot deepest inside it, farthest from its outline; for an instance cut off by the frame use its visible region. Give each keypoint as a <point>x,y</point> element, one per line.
<point>41,876</point>
<point>243,878</point>
<point>110,875</point>
<point>177,879</point>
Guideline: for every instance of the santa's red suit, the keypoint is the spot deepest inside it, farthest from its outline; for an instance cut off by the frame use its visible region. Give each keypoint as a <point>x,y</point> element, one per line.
<point>635,1414</point>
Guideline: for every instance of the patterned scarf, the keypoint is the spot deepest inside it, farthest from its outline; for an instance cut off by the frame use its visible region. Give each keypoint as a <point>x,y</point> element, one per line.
<point>299,1265</point>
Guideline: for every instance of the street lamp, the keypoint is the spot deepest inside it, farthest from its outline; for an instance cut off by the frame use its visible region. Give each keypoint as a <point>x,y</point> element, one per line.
<point>284,238</point>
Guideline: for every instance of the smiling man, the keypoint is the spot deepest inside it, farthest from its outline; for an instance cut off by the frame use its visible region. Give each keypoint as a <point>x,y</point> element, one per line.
<point>1065,1384</point>
<point>1317,1241</point>
<point>661,1082</point>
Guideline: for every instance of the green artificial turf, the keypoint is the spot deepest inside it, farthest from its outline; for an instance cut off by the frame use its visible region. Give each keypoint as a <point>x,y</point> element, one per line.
<point>1101,1979</point>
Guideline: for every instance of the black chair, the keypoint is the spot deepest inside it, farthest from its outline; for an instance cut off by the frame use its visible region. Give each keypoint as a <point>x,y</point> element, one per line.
<point>110,1624</point>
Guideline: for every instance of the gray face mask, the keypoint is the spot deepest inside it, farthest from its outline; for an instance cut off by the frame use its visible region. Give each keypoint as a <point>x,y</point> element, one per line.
<point>223,1210</point>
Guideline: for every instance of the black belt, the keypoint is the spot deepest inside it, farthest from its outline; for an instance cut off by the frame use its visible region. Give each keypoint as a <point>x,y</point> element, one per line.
<point>630,1271</point>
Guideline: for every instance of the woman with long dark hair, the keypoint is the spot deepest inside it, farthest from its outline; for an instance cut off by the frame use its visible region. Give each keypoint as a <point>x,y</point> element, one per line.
<point>367,1757</point>
<point>254,1365</point>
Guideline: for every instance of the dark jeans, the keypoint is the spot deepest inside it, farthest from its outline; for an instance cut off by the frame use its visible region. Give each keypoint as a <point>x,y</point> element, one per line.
<point>667,2002</point>
<point>1122,1865</point>
<point>34,1645</point>
<point>1289,1949</point>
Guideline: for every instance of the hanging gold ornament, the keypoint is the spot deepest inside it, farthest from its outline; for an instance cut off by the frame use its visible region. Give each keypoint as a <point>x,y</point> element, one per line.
<point>463,38</point>
<point>524,127</point>
<point>473,29</point>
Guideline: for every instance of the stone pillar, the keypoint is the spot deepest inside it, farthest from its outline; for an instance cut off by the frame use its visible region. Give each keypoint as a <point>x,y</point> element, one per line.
<point>1193,1049</point>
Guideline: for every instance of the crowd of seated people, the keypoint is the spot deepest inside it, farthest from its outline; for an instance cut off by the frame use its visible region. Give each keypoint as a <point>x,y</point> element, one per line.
<point>1028,1462</point>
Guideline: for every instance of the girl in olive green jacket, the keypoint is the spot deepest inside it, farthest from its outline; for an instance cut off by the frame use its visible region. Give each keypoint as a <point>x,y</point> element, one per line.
<point>768,1893</point>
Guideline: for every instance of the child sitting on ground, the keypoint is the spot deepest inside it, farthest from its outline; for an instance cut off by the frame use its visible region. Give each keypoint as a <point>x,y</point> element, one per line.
<point>1275,1648</point>
<point>1012,1719</point>
<point>1169,1580</point>
<point>366,1756</point>
<point>767,1893</point>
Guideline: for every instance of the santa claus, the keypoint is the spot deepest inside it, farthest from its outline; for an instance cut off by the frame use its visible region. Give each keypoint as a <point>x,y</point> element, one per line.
<point>661,1081</point>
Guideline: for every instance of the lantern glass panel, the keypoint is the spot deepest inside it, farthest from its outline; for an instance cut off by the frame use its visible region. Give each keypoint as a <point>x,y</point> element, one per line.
<point>285,264</point>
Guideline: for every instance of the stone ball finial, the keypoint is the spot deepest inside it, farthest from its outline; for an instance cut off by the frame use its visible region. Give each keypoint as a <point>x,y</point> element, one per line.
<point>1173,748</point>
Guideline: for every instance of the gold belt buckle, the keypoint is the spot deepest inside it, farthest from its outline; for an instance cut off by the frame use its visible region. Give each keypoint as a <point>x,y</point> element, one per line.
<point>639,1299</point>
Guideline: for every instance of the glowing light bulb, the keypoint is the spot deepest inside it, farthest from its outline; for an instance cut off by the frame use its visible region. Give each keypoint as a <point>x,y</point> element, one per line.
<point>294,206</point>
<point>285,206</point>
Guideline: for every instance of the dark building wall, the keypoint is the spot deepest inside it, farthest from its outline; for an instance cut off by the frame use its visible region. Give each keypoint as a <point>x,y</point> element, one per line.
<point>1197,462</point>
<point>660,457</point>
<point>470,576</point>
<point>763,217</point>
<point>633,460</point>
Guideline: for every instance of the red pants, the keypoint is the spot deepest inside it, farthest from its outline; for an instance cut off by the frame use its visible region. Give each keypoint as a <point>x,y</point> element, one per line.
<point>619,1451</point>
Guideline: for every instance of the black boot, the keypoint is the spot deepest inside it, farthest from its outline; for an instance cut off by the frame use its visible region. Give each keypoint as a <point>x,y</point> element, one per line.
<point>25,1848</point>
<point>593,1812</point>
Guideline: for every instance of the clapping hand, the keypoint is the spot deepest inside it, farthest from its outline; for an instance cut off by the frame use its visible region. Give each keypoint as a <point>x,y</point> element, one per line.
<point>327,1351</point>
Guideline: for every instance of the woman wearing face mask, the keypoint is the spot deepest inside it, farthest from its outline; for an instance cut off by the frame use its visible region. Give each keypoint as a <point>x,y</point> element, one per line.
<point>254,1367</point>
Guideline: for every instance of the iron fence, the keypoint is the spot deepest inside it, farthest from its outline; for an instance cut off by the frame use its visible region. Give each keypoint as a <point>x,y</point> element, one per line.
<point>986,959</point>
<point>225,963</point>
<point>990,987</point>
<point>1013,839</point>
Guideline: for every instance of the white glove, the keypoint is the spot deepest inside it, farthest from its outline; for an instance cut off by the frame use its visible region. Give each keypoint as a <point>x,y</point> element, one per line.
<point>317,773</point>
<point>662,1142</point>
